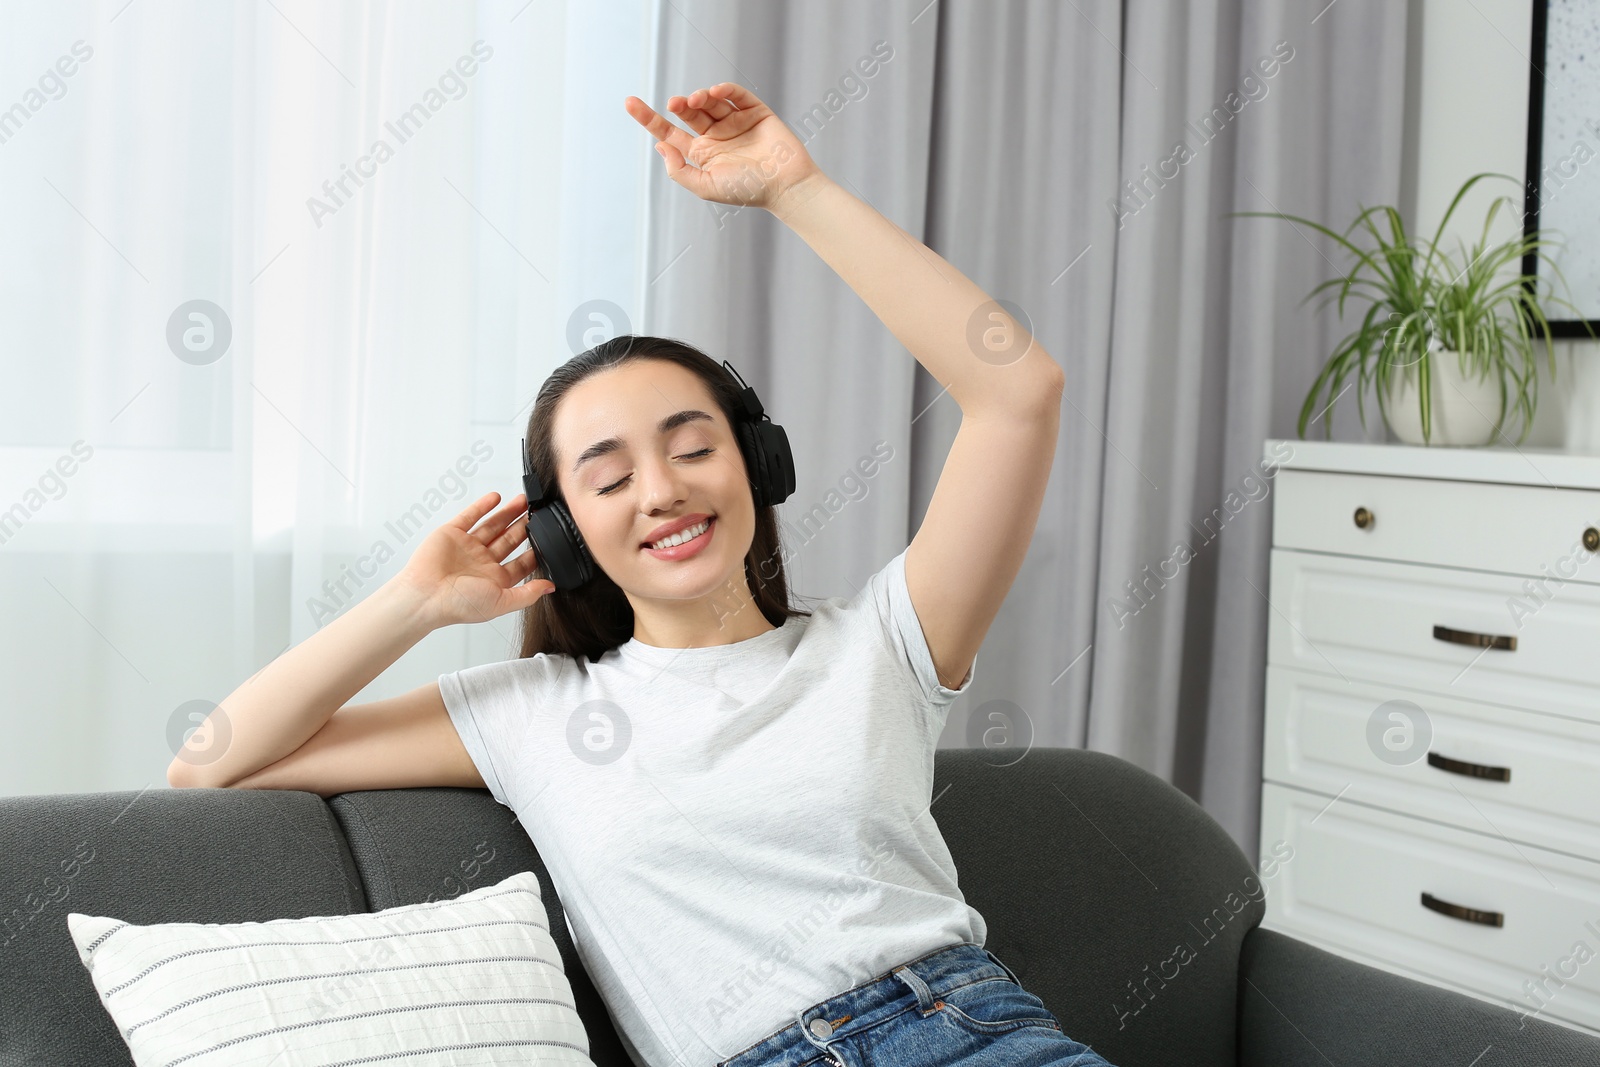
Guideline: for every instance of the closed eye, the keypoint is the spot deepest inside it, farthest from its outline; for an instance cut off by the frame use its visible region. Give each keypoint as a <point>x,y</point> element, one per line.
<point>614,486</point>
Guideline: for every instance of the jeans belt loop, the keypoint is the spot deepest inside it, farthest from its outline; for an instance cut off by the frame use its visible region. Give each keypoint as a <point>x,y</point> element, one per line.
<point>925,1003</point>
<point>1001,964</point>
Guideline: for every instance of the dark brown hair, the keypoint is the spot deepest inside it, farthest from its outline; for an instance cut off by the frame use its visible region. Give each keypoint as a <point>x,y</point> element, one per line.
<point>597,616</point>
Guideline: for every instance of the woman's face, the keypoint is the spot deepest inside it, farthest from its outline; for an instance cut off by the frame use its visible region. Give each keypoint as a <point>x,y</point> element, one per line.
<point>624,478</point>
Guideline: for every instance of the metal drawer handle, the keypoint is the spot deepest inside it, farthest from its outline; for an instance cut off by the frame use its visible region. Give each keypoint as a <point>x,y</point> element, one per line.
<point>1467,637</point>
<point>1456,911</point>
<point>1364,518</point>
<point>1471,770</point>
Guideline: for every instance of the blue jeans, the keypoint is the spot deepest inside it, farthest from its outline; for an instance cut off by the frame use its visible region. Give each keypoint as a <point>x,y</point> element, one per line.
<point>956,1005</point>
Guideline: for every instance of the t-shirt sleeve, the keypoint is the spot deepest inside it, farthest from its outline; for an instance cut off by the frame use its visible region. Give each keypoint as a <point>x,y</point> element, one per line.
<point>888,595</point>
<point>490,706</point>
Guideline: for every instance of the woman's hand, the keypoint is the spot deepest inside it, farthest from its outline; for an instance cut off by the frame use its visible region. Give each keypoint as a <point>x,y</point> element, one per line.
<point>743,154</point>
<point>457,571</point>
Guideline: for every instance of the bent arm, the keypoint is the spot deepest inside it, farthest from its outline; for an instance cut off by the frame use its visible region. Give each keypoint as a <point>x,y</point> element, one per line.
<point>402,741</point>
<point>290,699</point>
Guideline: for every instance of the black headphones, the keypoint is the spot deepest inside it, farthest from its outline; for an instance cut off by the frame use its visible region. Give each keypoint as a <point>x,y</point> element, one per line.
<point>555,537</point>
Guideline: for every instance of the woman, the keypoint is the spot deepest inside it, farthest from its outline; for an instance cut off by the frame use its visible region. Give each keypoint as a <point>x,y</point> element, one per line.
<point>732,795</point>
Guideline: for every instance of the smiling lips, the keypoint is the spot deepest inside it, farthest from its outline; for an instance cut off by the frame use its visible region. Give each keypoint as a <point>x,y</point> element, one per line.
<point>689,542</point>
<point>688,533</point>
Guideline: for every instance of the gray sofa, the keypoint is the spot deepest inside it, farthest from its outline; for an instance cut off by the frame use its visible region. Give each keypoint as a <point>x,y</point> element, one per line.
<point>1089,871</point>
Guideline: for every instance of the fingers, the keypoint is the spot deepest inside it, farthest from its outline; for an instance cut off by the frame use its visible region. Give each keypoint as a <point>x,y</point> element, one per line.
<point>492,528</point>
<point>522,567</point>
<point>697,120</point>
<point>735,94</point>
<point>691,178</point>
<point>659,127</point>
<point>474,511</point>
<point>531,593</point>
<point>702,100</point>
<point>700,111</point>
<point>514,535</point>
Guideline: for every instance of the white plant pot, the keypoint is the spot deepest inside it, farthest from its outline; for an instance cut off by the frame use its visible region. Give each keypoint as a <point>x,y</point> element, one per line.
<point>1464,410</point>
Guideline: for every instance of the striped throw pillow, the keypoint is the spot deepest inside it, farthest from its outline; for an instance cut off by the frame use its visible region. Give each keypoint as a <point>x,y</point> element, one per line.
<point>475,979</point>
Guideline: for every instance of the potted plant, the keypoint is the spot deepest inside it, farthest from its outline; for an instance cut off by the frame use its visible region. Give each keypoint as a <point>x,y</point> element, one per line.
<point>1449,344</point>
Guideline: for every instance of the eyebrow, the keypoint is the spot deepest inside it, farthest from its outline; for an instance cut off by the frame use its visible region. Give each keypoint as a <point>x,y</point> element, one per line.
<point>612,444</point>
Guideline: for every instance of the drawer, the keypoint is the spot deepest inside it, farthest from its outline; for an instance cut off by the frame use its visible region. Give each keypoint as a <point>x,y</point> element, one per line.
<point>1376,621</point>
<point>1516,529</point>
<point>1318,737</point>
<point>1356,881</point>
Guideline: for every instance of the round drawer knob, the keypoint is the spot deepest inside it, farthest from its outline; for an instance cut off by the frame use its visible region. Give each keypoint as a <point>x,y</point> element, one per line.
<point>1591,539</point>
<point>1364,518</point>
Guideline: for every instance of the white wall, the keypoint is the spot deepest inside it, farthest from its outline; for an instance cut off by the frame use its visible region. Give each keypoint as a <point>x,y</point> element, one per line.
<point>1471,115</point>
<point>1473,110</point>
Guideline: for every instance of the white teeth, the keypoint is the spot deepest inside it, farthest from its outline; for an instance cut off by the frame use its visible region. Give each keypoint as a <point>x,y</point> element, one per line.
<point>683,535</point>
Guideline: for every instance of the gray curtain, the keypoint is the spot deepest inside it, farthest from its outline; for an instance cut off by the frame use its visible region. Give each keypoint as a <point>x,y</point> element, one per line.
<point>1013,137</point>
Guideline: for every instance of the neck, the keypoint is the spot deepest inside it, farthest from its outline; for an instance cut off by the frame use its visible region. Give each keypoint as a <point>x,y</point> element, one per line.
<point>721,618</point>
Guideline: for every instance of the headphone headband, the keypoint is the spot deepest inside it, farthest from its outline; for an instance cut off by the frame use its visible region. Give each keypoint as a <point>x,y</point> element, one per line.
<point>530,479</point>
<point>747,396</point>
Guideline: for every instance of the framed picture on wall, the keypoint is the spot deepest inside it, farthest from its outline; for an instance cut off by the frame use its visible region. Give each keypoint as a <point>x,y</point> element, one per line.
<point>1564,156</point>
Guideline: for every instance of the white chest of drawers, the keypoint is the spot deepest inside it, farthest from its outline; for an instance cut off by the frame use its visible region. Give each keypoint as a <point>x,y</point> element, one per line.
<point>1431,749</point>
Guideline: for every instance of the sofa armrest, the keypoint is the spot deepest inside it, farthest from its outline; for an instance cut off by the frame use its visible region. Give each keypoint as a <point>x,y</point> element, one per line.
<point>1300,1006</point>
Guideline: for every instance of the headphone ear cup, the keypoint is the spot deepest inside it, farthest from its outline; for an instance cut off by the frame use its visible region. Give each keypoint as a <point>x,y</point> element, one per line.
<point>755,462</point>
<point>583,560</point>
<point>781,462</point>
<point>560,546</point>
<point>771,463</point>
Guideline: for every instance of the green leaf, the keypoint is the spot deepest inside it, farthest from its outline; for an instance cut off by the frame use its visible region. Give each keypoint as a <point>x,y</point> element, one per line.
<point>1417,295</point>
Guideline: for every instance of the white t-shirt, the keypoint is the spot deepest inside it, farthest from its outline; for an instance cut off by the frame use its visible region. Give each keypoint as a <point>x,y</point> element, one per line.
<point>738,831</point>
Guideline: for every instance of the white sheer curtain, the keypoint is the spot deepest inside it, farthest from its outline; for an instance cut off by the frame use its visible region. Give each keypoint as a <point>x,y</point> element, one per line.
<point>397,209</point>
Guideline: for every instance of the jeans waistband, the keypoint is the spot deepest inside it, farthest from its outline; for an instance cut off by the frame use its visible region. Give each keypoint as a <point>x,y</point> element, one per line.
<point>927,977</point>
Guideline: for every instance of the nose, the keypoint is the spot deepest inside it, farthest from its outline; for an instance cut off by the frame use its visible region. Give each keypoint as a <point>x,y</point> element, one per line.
<point>660,484</point>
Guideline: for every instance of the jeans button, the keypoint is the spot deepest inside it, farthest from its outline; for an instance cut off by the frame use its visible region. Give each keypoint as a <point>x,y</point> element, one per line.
<point>821,1027</point>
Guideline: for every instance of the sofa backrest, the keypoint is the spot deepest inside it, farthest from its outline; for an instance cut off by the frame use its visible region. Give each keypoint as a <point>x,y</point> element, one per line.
<point>413,844</point>
<point>1094,877</point>
<point>1089,872</point>
<point>163,855</point>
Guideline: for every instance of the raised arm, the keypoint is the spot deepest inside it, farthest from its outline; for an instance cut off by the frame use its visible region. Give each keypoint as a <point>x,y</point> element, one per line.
<point>971,544</point>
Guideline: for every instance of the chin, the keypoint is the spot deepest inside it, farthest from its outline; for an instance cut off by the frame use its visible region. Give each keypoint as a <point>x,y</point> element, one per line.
<point>703,576</point>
